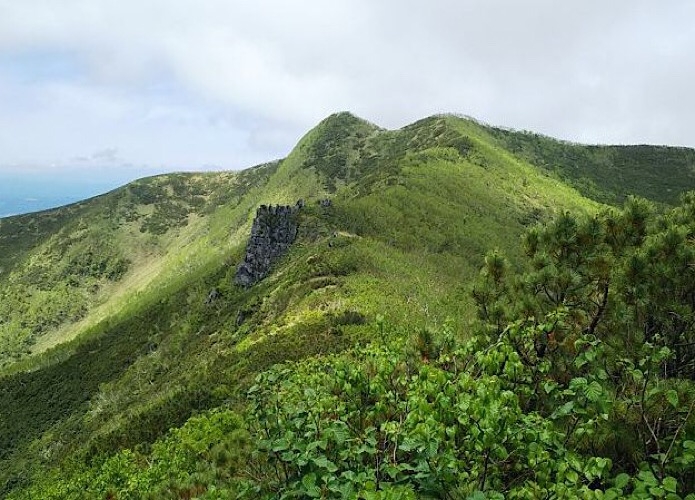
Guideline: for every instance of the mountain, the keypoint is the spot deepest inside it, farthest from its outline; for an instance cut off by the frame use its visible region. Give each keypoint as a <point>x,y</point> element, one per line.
<point>120,317</point>
<point>607,173</point>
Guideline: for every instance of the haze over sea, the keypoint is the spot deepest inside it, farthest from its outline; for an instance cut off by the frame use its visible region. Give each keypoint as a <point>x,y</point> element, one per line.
<point>25,192</point>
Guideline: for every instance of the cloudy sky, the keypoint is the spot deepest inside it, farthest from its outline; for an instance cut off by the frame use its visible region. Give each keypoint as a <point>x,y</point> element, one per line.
<point>142,86</point>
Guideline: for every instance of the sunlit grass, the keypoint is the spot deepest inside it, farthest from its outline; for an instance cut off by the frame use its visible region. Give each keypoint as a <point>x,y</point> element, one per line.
<point>413,213</point>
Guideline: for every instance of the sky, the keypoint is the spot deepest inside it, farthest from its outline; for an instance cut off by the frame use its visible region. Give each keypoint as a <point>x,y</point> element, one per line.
<point>119,89</point>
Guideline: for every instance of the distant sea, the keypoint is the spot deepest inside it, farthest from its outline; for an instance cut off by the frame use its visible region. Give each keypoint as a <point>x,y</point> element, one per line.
<point>14,206</point>
<point>22,193</point>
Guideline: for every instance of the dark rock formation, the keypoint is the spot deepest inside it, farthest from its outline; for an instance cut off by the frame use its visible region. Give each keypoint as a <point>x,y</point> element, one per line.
<point>274,230</point>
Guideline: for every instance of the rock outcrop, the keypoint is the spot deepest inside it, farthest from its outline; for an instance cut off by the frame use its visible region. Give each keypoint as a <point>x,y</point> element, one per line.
<point>274,230</point>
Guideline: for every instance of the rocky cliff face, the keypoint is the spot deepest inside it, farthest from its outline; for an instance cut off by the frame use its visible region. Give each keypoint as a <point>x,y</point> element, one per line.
<point>274,230</point>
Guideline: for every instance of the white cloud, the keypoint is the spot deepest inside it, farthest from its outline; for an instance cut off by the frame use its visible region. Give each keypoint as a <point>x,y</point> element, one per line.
<point>189,83</point>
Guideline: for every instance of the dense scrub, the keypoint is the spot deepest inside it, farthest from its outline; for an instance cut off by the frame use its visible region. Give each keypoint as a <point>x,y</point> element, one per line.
<point>58,266</point>
<point>356,368</point>
<point>56,286</point>
<point>575,384</point>
<point>350,151</point>
<point>579,385</point>
<point>608,173</point>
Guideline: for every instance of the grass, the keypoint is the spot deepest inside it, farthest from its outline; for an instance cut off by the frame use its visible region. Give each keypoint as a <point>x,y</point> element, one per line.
<point>120,222</point>
<point>607,173</point>
<point>413,213</point>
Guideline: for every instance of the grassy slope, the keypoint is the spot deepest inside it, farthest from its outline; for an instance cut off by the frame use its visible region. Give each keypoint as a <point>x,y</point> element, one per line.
<point>74,266</point>
<point>608,173</point>
<point>413,213</point>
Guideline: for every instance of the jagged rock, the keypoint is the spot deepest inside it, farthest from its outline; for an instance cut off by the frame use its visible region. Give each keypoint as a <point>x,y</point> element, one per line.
<point>325,203</point>
<point>274,230</point>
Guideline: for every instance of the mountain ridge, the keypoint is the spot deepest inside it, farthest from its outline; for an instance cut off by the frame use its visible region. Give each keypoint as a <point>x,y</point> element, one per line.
<point>342,151</point>
<point>412,214</point>
<point>340,119</point>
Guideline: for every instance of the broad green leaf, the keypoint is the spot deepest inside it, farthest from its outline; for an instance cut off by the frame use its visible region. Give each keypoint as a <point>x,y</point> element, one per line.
<point>324,463</point>
<point>281,445</point>
<point>604,463</point>
<point>565,409</point>
<point>621,480</point>
<point>670,484</point>
<point>648,478</point>
<point>309,483</point>
<point>578,383</point>
<point>593,391</point>
<point>549,386</point>
<point>672,397</point>
<point>656,491</point>
<point>612,494</point>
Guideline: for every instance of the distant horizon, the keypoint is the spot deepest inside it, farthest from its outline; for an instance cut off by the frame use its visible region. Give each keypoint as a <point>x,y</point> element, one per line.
<point>15,207</point>
<point>24,193</point>
<point>30,189</point>
<point>236,83</point>
<point>38,189</point>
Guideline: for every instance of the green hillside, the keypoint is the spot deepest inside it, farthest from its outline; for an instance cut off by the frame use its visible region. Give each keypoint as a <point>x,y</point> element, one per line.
<point>127,351</point>
<point>607,173</point>
<point>64,269</point>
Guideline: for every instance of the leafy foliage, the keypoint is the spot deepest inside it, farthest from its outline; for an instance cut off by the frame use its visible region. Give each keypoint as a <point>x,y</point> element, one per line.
<point>196,460</point>
<point>625,279</point>
<point>139,387</point>
<point>475,421</point>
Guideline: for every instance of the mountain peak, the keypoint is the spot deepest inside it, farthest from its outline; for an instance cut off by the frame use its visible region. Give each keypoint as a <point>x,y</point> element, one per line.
<point>347,118</point>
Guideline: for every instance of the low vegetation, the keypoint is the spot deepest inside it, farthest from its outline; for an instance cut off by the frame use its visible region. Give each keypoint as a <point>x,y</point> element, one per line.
<point>376,360</point>
<point>607,173</point>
